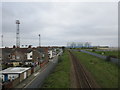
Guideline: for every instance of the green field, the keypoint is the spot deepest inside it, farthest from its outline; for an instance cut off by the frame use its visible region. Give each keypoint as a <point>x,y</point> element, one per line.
<point>107,53</point>
<point>60,78</point>
<point>105,73</point>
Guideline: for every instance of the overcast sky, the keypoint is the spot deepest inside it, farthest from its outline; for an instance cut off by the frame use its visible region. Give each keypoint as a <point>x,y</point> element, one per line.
<point>59,23</point>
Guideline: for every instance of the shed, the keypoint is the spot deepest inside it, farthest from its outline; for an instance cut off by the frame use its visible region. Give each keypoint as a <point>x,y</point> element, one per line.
<point>13,73</point>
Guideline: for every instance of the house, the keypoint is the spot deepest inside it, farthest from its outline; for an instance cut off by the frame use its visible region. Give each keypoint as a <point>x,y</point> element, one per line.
<point>50,53</point>
<point>43,51</point>
<point>18,54</point>
<point>30,55</point>
<point>44,56</point>
<point>14,63</point>
<point>6,54</point>
<point>28,63</point>
<point>24,56</point>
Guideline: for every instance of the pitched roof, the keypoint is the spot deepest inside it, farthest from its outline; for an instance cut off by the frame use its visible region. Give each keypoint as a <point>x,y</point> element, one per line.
<point>40,49</point>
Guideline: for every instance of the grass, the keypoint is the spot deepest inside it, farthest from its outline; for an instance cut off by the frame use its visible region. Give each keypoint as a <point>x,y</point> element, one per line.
<point>105,73</point>
<point>60,78</point>
<point>107,53</point>
<point>4,66</point>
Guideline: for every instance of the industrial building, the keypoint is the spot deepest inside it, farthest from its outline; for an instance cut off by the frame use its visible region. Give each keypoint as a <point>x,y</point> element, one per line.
<point>78,44</point>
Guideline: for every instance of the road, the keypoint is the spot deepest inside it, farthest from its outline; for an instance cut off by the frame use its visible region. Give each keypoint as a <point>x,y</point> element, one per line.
<point>40,76</point>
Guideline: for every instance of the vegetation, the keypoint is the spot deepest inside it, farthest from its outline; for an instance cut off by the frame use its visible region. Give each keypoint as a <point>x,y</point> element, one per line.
<point>84,48</point>
<point>107,53</point>
<point>4,66</point>
<point>105,73</point>
<point>60,78</point>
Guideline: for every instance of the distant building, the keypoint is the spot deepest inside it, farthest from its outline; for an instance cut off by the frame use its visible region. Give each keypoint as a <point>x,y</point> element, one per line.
<point>78,44</point>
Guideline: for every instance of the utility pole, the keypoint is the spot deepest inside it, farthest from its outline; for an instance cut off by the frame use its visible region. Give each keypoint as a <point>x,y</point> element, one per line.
<point>17,34</point>
<point>39,41</point>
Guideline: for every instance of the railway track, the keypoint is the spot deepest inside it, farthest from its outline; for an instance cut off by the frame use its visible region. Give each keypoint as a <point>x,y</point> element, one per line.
<point>83,78</point>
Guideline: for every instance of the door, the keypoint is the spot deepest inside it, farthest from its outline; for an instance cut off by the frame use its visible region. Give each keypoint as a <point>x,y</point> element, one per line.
<point>6,77</point>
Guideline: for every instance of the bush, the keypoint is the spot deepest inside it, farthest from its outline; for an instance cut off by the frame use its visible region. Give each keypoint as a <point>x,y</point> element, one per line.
<point>109,57</point>
<point>93,50</point>
<point>59,59</point>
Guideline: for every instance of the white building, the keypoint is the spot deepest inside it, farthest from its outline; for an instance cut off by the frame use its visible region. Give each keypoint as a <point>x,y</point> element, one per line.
<point>13,73</point>
<point>50,53</point>
<point>78,44</point>
<point>29,55</point>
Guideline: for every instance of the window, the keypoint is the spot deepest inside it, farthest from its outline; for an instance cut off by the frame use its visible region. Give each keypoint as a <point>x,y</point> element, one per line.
<point>13,57</point>
<point>43,55</point>
<point>13,77</point>
<point>17,57</point>
<point>9,56</point>
<point>31,56</point>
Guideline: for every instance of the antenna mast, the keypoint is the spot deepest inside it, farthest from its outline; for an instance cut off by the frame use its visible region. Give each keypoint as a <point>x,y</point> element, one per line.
<point>17,34</point>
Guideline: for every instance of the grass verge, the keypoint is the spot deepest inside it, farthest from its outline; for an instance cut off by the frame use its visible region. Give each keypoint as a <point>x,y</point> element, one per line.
<point>107,53</point>
<point>60,78</point>
<point>105,73</point>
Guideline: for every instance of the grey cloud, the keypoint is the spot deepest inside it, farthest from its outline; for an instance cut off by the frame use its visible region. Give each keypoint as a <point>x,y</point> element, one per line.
<point>59,23</point>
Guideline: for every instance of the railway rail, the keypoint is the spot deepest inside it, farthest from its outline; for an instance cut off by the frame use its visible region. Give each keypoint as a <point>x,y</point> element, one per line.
<point>83,77</point>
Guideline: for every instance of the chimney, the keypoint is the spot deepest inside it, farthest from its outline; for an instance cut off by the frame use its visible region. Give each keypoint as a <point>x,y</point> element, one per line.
<point>30,46</point>
<point>14,46</point>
